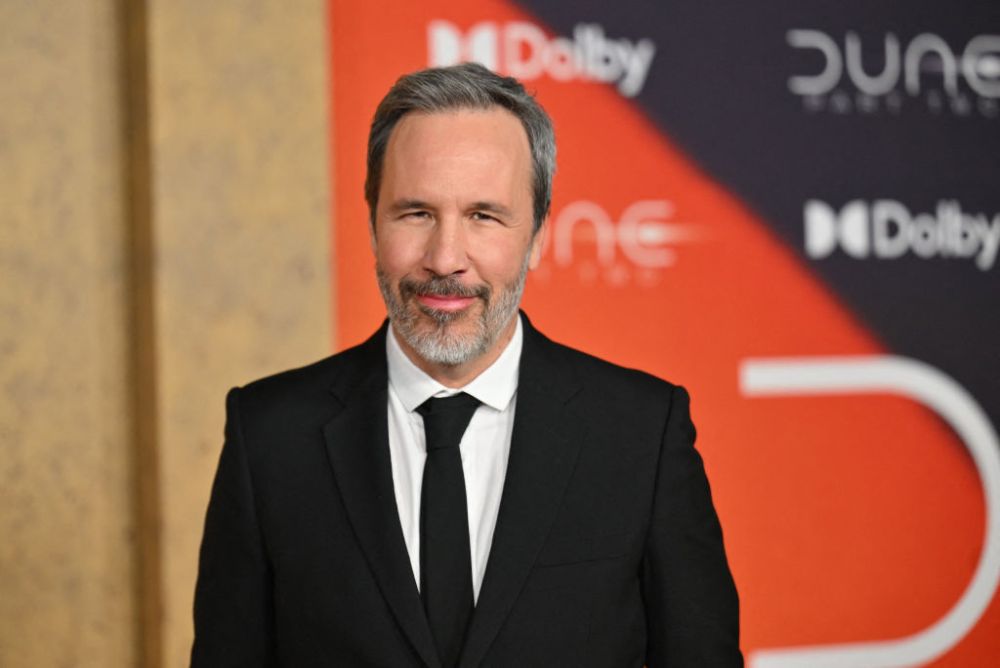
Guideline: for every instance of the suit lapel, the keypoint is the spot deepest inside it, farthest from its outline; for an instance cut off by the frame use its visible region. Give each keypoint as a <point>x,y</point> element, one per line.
<point>544,447</point>
<point>357,442</point>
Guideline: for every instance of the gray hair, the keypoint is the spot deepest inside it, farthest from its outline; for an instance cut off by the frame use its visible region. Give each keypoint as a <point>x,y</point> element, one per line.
<point>465,86</point>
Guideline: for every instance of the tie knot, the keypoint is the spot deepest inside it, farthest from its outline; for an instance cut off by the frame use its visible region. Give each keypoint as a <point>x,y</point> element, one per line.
<point>446,418</point>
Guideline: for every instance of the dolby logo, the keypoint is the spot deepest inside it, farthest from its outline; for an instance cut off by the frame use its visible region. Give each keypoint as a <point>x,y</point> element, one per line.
<point>523,50</point>
<point>886,229</point>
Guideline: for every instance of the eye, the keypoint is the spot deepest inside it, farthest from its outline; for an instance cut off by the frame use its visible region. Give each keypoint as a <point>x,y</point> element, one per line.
<point>485,217</point>
<point>416,215</point>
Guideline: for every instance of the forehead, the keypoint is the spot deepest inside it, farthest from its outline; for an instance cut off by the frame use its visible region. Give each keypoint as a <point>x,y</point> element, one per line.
<point>470,147</point>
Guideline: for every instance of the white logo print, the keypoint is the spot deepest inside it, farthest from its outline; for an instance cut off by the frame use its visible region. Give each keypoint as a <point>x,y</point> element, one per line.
<point>931,387</point>
<point>523,50</point>
<point>633,249</point>
<point>924,68</point>
<point>886,229</point>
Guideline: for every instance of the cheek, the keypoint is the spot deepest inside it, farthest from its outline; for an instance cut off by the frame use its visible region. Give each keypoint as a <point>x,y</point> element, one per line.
<point>397,254</point>
<point>500,262</point>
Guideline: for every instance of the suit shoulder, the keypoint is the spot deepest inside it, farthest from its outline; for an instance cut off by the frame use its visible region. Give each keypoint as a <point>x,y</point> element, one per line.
<point>614,378</point>
<point>609,393</point>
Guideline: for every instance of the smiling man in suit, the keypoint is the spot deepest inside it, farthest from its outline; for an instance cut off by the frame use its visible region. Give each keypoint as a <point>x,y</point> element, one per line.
<point>459,490</point>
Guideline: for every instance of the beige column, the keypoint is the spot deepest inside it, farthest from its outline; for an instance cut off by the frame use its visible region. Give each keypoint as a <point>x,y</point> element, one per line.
<point>66,511</point>
<point>164,235</point>
<point>240,193</point>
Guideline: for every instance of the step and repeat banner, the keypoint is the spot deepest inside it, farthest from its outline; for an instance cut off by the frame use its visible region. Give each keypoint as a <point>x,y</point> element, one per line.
<point>794,211</point>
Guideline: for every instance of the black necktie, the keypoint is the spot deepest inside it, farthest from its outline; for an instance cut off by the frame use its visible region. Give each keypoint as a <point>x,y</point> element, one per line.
<point>445,561</point>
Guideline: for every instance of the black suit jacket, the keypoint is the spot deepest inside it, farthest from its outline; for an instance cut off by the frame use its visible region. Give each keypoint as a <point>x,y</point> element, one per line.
<point>607,550</point>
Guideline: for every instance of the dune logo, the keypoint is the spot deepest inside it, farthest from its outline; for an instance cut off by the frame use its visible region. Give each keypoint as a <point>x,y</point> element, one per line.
<point>523,50</point>
<point>642,234</point>
<point>886,229</point>
<point>859,76</point>
<point>632,249</point>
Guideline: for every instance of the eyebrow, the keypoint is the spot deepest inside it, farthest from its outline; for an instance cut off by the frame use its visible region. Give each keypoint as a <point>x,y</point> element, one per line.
<point>492,207</point>
<point>404,204</point>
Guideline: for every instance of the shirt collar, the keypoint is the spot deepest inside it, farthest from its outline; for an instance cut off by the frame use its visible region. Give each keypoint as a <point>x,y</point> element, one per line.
<point>494,387</point>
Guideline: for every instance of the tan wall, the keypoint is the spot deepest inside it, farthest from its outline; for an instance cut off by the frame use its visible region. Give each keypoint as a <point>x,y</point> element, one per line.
<point>66,595</point>
<point>241,211</point>
<point>237,228</point>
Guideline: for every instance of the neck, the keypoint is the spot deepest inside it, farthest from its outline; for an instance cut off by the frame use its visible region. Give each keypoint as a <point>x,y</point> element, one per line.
<point>460,375</point>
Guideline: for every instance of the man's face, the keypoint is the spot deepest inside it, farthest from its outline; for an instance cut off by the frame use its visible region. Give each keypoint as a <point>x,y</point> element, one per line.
<point>453,236</point>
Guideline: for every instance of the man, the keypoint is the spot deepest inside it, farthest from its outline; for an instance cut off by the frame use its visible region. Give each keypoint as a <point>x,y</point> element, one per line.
<point>459,490</point>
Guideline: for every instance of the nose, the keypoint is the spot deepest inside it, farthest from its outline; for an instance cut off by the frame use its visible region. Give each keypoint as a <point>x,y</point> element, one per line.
<point>446,253</point>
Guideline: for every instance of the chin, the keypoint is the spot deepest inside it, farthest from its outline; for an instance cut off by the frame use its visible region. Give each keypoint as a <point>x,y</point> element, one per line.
<point>448,349</point>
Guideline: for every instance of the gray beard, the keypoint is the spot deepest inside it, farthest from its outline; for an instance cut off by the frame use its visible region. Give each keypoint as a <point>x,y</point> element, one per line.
<point>437,344</point>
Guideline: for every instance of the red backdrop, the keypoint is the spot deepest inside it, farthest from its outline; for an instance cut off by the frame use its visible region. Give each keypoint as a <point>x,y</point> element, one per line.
<point>847,518</point>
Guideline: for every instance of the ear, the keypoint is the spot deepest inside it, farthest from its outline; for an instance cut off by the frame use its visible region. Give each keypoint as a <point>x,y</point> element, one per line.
<point>371,236</point>
<point>538,244</point>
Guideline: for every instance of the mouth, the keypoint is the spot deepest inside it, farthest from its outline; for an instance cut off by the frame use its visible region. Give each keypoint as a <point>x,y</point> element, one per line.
<point>443,299</point>
<point>446,303</point>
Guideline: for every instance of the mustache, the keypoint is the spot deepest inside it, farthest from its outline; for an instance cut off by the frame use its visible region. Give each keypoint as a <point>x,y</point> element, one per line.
<point>442,286</point>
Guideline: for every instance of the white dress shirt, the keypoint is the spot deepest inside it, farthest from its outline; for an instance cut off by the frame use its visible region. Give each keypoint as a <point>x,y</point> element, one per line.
<point>485,445</point>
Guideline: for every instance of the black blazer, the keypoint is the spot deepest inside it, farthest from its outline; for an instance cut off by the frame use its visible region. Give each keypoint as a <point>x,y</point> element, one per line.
<point>607,550</point>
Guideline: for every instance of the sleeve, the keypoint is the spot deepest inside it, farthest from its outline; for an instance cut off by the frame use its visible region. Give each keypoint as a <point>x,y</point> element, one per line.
<point>233,607</point>
<point>692,608</point>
